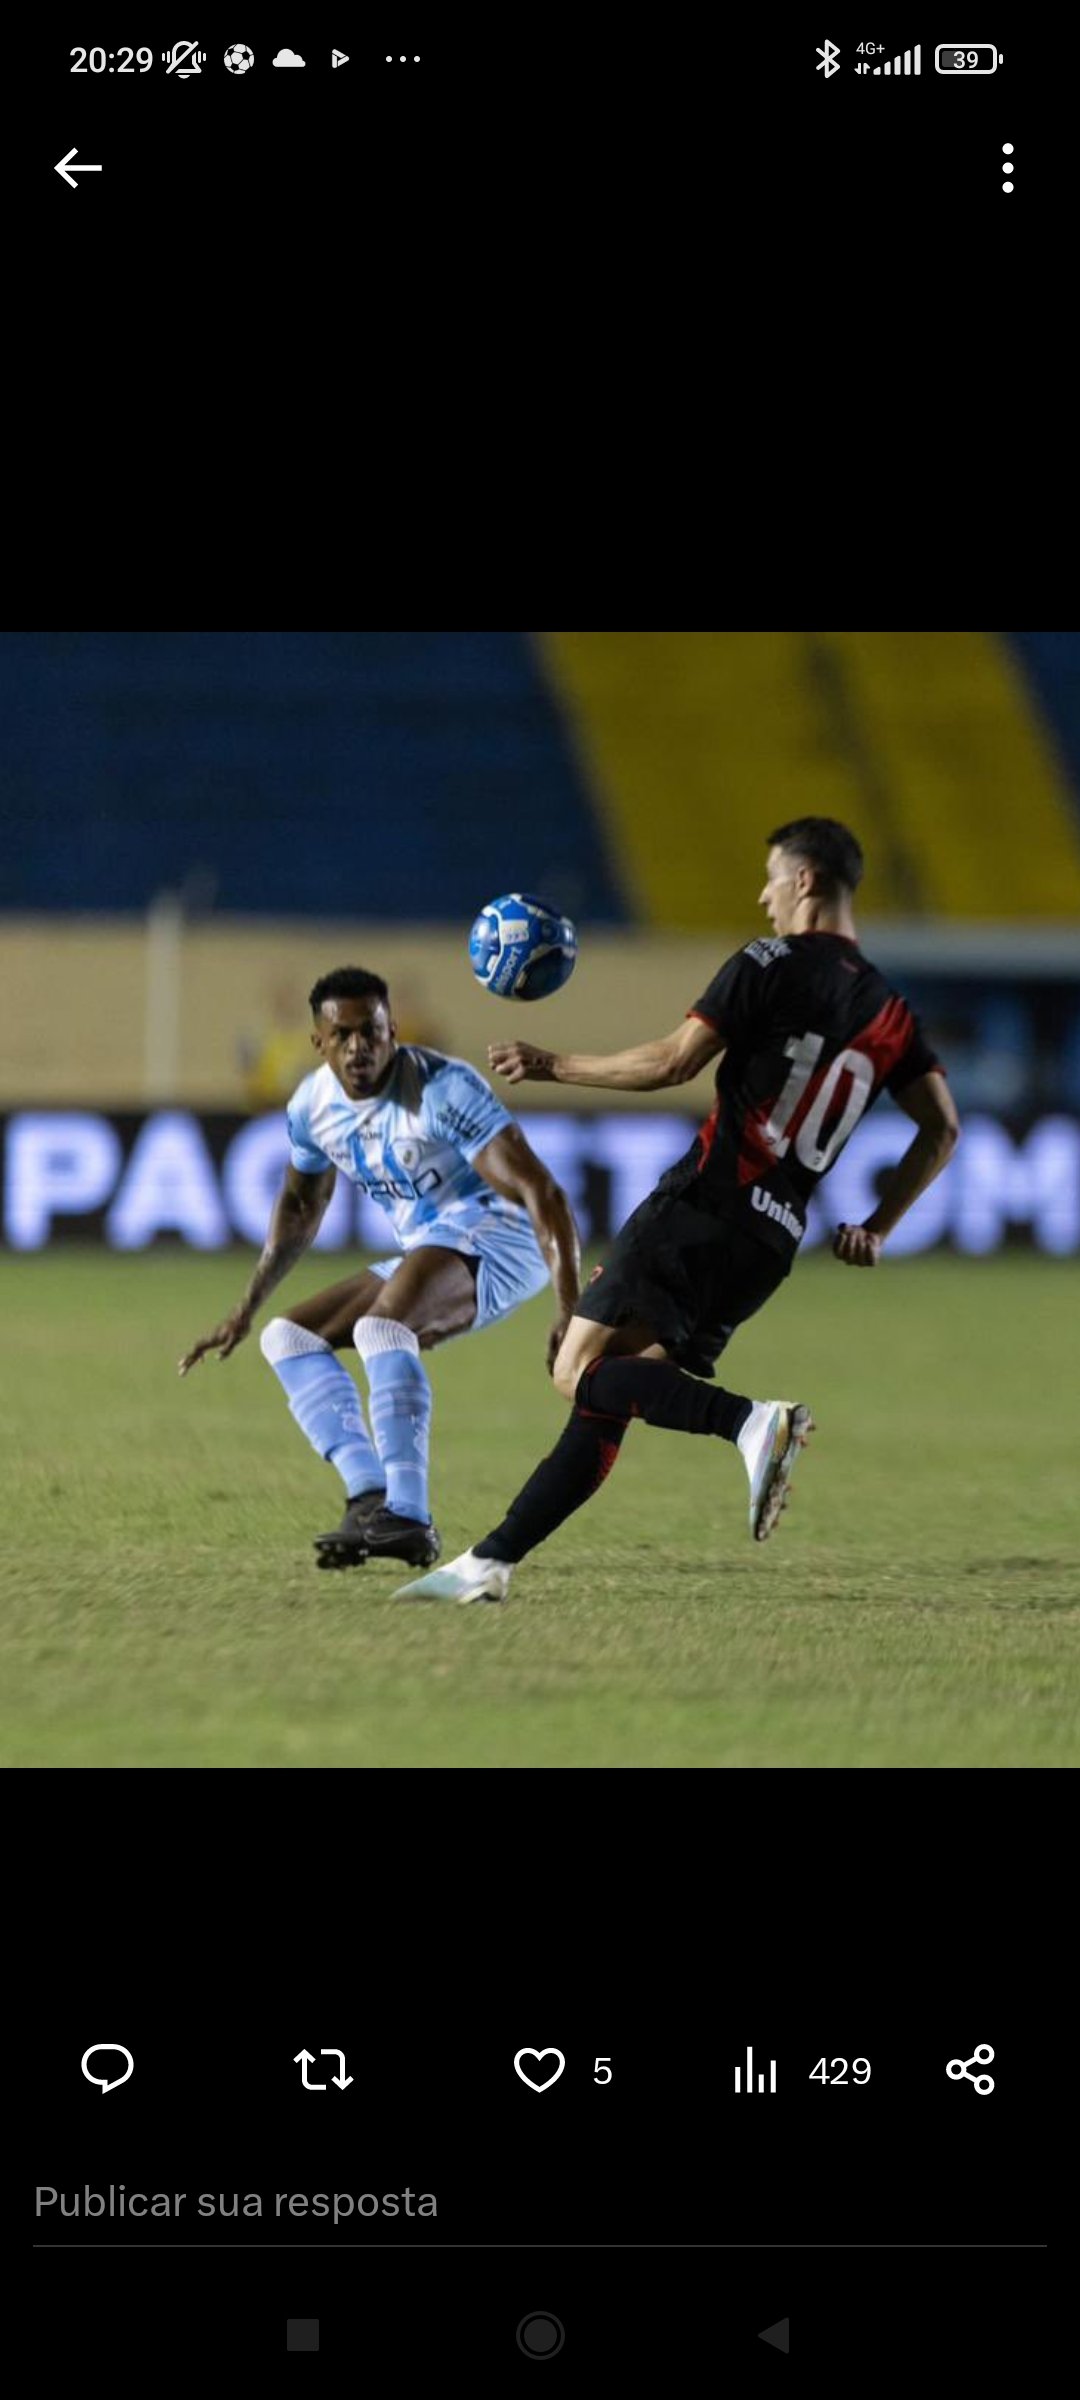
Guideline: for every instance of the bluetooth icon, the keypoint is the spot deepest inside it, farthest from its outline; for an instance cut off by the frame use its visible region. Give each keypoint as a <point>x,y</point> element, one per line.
<point>828,58</point>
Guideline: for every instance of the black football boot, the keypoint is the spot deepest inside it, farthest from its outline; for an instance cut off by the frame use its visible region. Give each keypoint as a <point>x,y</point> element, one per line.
<point>347,1545</point>
<point>389,1536</point>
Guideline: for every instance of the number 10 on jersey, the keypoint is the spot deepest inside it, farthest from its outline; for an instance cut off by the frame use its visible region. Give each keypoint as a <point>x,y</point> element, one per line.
<point>804,1050</point>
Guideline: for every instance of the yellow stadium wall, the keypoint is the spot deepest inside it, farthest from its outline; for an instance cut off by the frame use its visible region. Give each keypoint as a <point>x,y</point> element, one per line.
<point>928,744</point>
<point>73,1024</point>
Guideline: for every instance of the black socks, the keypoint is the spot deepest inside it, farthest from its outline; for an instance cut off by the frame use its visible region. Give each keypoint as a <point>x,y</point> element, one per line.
<point>660,1393</point>
<point>610,1393</point>
<point>572,1472</point>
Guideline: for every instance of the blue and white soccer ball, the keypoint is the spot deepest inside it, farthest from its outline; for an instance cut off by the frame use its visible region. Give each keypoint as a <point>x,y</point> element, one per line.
<point>520,947</point>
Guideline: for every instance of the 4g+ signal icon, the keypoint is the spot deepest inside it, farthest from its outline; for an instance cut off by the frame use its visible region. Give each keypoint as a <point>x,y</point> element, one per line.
<point>900,65</point>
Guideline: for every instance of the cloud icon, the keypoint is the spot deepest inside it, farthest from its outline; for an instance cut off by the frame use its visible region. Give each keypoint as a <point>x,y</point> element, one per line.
<point>288,58</point>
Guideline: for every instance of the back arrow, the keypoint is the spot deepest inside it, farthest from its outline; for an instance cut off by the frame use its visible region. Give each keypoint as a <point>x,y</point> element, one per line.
<point>84,168</point>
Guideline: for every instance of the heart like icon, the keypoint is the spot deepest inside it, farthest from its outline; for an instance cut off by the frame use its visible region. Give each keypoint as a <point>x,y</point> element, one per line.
<point>541,2058</point>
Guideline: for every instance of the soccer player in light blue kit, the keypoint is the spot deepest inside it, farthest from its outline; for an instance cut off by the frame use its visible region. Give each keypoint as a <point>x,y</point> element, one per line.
<point>480,1222</point>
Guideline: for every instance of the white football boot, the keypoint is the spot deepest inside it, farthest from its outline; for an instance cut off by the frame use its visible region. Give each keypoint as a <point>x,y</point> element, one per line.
<point>771,1439</point>
<point>466,1578</point>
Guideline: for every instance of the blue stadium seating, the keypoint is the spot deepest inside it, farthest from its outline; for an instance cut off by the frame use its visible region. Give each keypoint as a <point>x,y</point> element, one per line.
<point>368,775</point>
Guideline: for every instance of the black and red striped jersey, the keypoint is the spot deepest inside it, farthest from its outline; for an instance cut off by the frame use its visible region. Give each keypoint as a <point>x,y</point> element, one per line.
<point>813,1034</point>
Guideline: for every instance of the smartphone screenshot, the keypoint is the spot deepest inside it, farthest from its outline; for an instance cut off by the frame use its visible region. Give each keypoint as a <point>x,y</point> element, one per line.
<point>540,1186</point>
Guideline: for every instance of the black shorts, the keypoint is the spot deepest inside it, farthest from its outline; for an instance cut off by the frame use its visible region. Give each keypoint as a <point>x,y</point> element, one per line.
<point>687,1275</point>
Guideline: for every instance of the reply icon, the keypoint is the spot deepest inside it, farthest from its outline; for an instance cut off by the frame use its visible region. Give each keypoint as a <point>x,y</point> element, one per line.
<point>107,2050</point>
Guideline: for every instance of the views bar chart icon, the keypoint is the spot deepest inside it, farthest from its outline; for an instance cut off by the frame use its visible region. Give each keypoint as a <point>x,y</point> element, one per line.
<point>749,2084</point>
<point>910,63</point>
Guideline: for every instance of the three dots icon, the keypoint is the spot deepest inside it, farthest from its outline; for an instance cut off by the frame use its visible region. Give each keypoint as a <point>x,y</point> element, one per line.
<point>1007,165</point>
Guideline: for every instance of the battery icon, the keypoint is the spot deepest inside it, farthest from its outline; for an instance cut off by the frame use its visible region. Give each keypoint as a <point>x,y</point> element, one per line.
<point>967,58</point>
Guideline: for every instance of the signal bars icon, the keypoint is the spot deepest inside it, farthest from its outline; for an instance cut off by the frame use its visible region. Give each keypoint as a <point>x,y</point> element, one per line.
<point>749,2086</point>
<point>900,65</point>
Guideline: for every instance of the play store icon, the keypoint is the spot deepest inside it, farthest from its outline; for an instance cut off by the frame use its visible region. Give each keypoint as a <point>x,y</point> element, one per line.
<point>340,58</point>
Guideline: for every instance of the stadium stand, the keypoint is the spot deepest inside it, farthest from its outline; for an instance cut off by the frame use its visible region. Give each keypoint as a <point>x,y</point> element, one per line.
<point>938,747</point>
<point>383,775</point>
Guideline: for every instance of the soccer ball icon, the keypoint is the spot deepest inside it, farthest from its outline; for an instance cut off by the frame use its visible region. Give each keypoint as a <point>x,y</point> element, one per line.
<point>239,58</point>
<point>521,948</point>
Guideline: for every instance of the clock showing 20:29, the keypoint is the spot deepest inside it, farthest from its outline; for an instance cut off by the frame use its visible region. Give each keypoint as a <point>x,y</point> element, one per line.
<point>111,62</point>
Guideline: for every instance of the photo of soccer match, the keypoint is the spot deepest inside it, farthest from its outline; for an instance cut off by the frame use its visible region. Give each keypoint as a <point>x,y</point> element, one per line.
<point>541,1199</point>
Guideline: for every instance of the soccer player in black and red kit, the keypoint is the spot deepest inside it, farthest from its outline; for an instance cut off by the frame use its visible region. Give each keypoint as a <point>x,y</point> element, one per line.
<point>807,1034</point>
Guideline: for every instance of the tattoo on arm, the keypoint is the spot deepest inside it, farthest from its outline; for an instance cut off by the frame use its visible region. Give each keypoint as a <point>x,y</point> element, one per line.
<point>294,1226</point>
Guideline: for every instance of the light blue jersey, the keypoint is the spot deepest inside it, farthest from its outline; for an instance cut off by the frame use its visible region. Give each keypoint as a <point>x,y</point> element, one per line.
<point>411,1146</point>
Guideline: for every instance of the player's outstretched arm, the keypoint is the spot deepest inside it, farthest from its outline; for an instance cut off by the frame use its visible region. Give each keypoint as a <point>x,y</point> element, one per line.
<point>929,1102</point>
<point>652,1067</point>
<point>513,1169</point>
<point>299,1209</point>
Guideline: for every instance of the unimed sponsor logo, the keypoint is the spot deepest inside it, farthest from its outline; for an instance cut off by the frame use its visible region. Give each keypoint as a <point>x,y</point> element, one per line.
<point>778,1210</point>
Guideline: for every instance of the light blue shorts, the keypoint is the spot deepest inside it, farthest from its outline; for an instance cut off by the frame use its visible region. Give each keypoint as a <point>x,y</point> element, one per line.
<point>511,1267</point>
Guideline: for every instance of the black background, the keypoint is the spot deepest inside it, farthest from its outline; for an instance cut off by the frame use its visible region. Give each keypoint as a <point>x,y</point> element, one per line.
<point>725,110</point>
<point>584,290</point>
<point>431,1926</point>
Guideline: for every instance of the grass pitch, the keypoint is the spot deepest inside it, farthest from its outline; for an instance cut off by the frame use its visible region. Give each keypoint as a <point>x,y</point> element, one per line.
<point>917,1607</point>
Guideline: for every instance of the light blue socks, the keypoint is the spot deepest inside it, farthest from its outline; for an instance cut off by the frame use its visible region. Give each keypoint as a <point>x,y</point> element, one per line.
<point>327,1407</point>
<point>325,1402</point>
<point>400,1406</point>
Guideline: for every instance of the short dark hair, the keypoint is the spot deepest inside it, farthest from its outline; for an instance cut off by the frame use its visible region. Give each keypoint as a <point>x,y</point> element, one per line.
<point>826,845</point>
<point>346,983</point>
